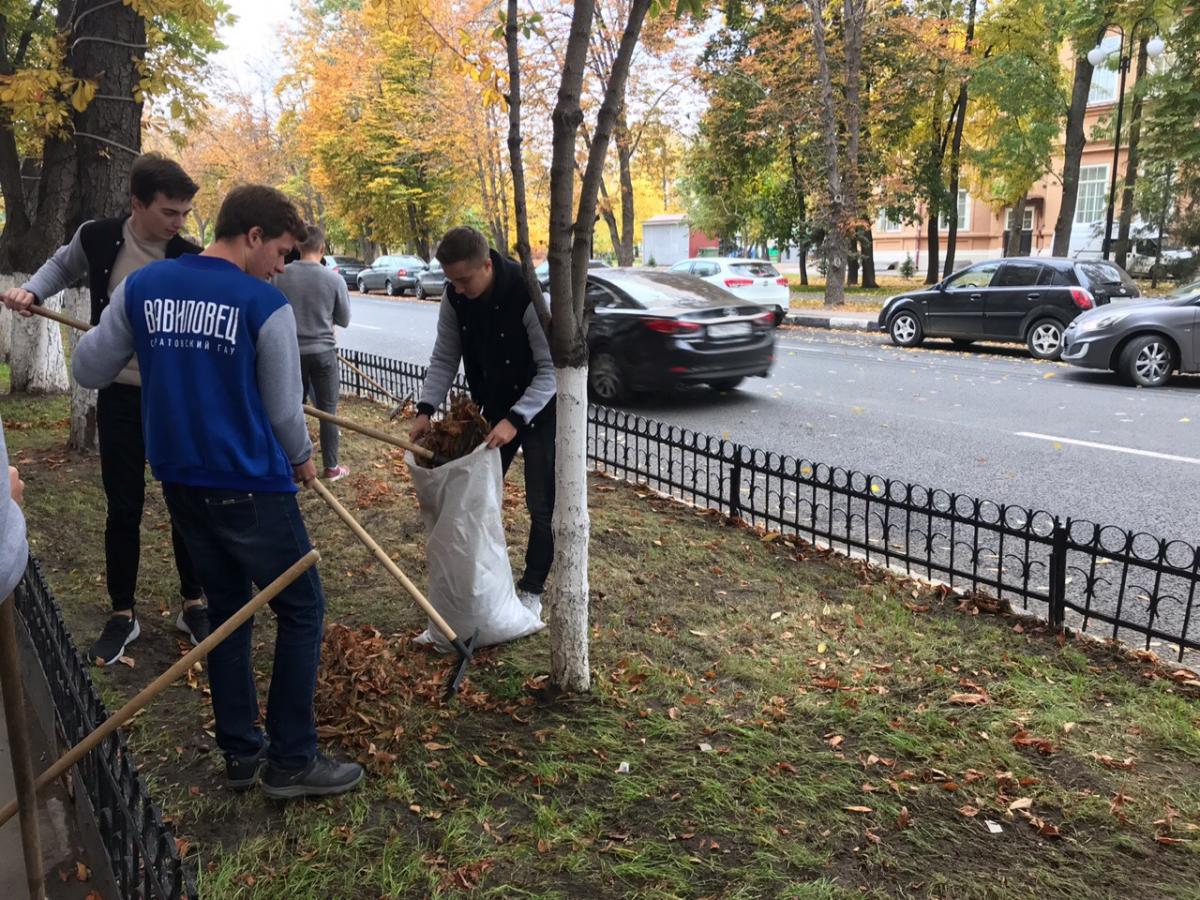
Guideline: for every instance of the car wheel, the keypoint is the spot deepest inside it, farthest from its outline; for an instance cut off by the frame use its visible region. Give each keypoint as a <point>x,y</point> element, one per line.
<point>1147,361</point>
<point>421,295</point>
<point>389,288</point>
<point>1045,339</point>
<point>362,287</point>
<point>725,384</point>
<point>606,381</point>
<point>905,329</point>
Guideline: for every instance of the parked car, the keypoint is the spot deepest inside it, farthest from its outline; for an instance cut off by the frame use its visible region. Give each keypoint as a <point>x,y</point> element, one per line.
<point>1143,342</point>
<point>1171,260</point>
<point>431,282</point>
<point>542,270</point>
<point>755,280</point>
<point>346,266</point>
<point>1030,299</point>
<point>659,330</point>
<point>395,275</point>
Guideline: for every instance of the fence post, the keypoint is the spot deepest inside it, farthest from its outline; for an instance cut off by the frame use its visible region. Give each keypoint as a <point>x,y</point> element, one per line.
<point>1058,574</point>
<point>735,484</point>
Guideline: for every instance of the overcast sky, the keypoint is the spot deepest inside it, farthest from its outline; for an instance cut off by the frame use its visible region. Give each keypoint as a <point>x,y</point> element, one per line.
<point>253,42</point>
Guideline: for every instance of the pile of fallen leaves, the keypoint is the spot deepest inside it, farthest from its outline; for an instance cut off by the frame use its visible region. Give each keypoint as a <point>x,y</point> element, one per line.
<point>457,433</point>
<point>368,681</point>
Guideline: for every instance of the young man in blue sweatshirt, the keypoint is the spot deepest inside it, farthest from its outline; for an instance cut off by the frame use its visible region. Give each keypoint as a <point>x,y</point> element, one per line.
<point>225,434</point>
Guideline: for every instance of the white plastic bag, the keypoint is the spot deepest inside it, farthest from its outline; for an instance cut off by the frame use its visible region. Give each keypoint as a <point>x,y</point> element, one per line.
<point>470,578</point>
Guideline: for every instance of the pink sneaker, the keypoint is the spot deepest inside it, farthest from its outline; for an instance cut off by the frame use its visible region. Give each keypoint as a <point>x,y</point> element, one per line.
<point>337,473</point>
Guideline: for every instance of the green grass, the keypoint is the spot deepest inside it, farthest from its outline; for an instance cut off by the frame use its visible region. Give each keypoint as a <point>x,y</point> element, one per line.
<point>835,760</point>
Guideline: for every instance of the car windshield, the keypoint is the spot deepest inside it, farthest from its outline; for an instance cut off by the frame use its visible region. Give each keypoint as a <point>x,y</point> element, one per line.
<point>654,290</point>
<point>347,261</point>
<point>754,269</point>
<point>1103,273</point>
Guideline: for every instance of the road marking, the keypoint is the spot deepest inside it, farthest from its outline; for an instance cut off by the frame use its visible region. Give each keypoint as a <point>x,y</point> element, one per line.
<point>802,349</point>
<point>1095,446</point>
<point>368,327</point>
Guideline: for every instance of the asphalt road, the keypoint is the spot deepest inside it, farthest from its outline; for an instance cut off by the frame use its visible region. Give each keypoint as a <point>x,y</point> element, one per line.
<point>989,422</point>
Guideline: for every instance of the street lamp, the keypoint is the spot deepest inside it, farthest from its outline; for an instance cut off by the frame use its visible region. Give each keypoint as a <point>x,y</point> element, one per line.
<point>1097,56</point>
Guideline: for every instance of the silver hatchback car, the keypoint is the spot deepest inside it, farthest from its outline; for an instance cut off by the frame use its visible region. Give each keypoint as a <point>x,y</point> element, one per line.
<point>1143,341</point>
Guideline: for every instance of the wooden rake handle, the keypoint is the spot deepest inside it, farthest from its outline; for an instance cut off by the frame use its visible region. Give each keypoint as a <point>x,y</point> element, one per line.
<point>159,684</point>
<point>415,449</point>
<point>394,570</point>
<point>59,317</point>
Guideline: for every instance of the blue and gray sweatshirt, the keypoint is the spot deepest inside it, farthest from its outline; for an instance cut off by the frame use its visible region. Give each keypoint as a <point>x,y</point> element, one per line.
<point>221,389</point>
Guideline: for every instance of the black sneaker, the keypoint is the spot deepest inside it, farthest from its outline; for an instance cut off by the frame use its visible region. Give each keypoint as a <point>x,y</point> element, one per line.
<point>193,621</point>
<point>241,772</point>
<point>119,632</point>
<point>320,778</point>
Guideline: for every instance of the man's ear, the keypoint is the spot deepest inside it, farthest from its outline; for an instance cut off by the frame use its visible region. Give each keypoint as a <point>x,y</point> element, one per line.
<point>254,237</point>
<point>136,204</point>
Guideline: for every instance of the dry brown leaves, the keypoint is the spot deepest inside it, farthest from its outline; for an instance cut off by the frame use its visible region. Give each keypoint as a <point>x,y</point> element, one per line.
<point>457,433</point>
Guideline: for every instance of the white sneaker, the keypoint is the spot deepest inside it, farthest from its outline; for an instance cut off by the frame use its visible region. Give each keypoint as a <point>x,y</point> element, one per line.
<point>531,601</point>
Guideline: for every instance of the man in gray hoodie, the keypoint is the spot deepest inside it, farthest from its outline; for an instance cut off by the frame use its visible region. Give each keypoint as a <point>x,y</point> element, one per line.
<point>320,301</point>
<point>14,549</point>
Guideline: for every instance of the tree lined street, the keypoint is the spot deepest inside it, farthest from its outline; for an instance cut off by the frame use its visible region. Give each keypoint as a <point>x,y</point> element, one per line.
<point>989,422</point>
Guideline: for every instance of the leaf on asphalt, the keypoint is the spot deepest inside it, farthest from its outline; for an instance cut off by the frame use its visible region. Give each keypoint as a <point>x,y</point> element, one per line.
<point>863,810</point>
<point>969,699</point>
<point>1048,375</point>
<point>1020,803</point>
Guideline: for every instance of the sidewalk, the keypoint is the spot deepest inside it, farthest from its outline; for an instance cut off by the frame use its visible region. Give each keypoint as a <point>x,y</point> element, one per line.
<point>847,320</point>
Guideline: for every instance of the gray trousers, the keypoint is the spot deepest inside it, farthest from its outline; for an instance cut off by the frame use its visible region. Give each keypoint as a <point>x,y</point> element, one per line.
<point>322,383</point>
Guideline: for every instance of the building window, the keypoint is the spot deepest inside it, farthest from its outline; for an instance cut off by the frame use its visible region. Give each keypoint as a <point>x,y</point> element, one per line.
<point>885,224</point>
<point>1026,220</point>
<point>964,214</point>
<point>1090,204</point>
<point>1104,76</point>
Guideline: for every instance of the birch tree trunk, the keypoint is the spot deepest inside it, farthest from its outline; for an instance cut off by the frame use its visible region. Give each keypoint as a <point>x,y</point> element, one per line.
<point>6,318</point>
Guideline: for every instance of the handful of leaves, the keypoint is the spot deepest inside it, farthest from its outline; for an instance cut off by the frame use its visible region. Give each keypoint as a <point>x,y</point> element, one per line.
<point>456,434</point>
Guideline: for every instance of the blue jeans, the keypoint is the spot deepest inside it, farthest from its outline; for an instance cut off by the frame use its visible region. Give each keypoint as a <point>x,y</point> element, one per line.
<point>237,539</point>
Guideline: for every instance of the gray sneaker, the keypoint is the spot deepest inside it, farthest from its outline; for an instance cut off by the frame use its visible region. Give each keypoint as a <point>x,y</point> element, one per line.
<point>322,777</point>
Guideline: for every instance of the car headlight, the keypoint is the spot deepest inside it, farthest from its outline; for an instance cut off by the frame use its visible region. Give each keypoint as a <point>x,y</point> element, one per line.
<point>1099,324</point>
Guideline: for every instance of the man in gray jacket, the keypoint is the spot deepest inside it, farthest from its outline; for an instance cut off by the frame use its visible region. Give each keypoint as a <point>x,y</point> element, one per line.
<point>14,549</point>
<point>320,301</point>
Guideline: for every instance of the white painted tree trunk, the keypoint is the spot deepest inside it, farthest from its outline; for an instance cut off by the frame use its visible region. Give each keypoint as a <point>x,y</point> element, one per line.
<point>569,591</point>
<point>77,303</point>
<point>36,356</point>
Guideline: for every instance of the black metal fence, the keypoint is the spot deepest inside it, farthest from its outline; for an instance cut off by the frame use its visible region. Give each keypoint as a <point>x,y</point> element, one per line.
<point>140,848</point>
<point>1098,579</point>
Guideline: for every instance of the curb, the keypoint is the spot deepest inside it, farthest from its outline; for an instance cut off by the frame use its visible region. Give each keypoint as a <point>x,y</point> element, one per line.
<point>841,323</point>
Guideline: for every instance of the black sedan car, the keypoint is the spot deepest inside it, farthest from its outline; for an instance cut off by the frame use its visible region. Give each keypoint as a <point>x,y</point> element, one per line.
<point>1144,342</point>
<point>654,330</point>
<point>1029,299</point>
<point>346,266</point>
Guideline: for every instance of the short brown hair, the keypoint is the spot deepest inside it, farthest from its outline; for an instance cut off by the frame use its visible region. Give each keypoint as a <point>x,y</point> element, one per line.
<point>462,244</point>
<point>314,243</point>
<point>153,173</point>
<point>256,205</point>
